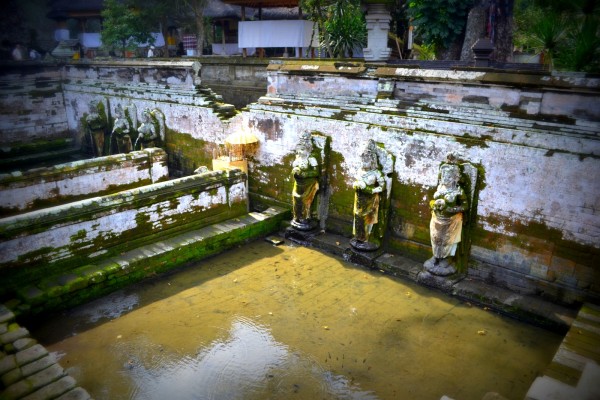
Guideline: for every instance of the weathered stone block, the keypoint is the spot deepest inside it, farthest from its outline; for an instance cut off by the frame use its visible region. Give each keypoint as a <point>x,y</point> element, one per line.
<point>5,314</point>
<point>13,334</point>
<point>75,394</point>
<point>53,389</point>
<point>31,354</point>
<point>7,363</point>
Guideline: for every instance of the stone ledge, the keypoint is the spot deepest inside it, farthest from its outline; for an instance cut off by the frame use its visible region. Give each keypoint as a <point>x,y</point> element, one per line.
<point>527,308</point>
<point>94,280</point>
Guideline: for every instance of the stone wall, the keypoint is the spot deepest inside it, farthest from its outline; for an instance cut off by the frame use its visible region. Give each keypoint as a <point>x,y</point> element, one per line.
<point>194,116</point>
<point>533,137</point>
<point>24,191</point>
<point>64,237</point>
<point>239,81</point>
<point>32,109</point>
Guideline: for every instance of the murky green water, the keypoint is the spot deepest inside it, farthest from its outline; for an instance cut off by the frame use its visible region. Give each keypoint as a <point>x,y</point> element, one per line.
<point>265,322</point>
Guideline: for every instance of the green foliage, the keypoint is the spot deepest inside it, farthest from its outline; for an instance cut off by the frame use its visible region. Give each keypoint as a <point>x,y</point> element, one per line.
<point>439,22</point>
<point>124,25</point>
<point>340,23</point>
<point>567,35</point>
<point>346,27</point>
<point>425,51</point>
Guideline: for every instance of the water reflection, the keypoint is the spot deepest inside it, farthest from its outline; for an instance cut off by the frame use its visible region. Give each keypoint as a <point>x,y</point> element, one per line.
<point>248,363</point>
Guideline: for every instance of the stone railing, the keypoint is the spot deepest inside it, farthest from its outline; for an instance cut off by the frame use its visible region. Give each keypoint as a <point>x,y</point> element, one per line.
<point>24,191</point>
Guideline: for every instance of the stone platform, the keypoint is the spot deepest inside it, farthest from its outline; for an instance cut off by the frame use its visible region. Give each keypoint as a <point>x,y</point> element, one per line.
<point>574,372</point>
<point>530,309</point>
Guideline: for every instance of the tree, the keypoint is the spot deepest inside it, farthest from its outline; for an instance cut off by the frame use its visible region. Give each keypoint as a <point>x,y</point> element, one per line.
<point>492,19</point>
<point>566,34</point>
<point>341,24</point>
<point>124,26</point>
<point>196,9</point>
<point>316,10</point>
<point>441,23</point>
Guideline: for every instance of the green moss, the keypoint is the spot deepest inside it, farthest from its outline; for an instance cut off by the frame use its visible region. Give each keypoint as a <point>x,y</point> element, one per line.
<point>473,141</point>
<point>36,146</point>
<point>186,153</point>
<point>535,237</point>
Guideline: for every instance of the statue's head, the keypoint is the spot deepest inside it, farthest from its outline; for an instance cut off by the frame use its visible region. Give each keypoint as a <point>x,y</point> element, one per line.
<point>304,143</point>
<point>452,157</point>
<point>146,115</point>
<point>449,174</point>
<point>368,156</point>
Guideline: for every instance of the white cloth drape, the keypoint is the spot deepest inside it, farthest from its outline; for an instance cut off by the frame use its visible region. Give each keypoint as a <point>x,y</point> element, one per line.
<point>295,33</point>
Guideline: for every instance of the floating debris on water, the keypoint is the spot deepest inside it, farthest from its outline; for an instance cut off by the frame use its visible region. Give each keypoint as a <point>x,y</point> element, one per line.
<point>273,240</point>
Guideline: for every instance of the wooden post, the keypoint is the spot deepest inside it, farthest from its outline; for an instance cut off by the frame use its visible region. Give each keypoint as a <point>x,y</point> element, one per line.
<point>244,50</point>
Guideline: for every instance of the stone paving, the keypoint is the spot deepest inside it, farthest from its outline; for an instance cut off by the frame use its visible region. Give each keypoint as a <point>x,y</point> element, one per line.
<point>27,370</point>
<point>574,372</point>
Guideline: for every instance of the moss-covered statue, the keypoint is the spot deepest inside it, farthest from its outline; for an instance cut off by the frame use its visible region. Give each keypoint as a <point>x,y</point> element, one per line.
<point>96,123</point>
<point>449,204</point>
<point>151,132</point>
<point>369,185</point>
<point>306,171</point>
<point>123,129</point>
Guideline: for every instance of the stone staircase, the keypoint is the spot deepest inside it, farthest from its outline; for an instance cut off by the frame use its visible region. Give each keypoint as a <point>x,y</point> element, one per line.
<point>27,370</point>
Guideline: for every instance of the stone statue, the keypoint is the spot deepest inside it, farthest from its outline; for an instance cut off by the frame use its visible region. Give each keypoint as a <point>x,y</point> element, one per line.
<point>448,205</point>
<point>151,132</point>
<point>306,171</point>
<point>123,129</point>
<point>95,126</point>
<point>369,184</point>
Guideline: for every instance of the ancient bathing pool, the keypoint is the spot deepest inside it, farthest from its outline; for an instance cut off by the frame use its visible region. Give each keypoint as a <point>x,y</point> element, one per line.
<point>288,322</point>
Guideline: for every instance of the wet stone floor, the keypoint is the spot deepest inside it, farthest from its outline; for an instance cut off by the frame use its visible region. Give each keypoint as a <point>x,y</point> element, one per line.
<point>289,322</point>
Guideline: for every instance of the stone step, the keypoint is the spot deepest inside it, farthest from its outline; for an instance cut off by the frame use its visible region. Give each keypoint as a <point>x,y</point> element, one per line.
<point>574,372</point>
<point>90,281</point>
<point>27,370</point>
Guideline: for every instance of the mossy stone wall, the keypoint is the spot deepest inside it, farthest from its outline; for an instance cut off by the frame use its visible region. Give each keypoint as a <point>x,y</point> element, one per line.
<point>60,238</point>
<point>533,138</point>
<point>28,190</point>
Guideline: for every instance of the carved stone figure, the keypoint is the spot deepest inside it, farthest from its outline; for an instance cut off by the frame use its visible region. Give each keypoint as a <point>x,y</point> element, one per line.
<point>95,126</point>
<point>306,171</point>
<point>123,130</point>
<point>446,226</point>
<point>369,184</point>
<point>151,132</point>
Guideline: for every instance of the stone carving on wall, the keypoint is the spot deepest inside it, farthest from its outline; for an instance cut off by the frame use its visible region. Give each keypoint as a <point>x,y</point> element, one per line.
<point>305,171</point>
<point>124,128</point>
<point>151,132</point>
<point>450,214</point>
<point>372,190</point>
<point>95,125</point>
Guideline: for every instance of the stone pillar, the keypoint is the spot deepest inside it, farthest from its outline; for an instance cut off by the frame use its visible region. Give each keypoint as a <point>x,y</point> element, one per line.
<point>483,49</point>
<point>378,24</point>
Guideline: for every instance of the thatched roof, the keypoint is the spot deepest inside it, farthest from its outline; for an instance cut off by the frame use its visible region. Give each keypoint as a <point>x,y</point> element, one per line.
<point>263,3</point>
<point>63,9</point>
<point>218,9</point>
